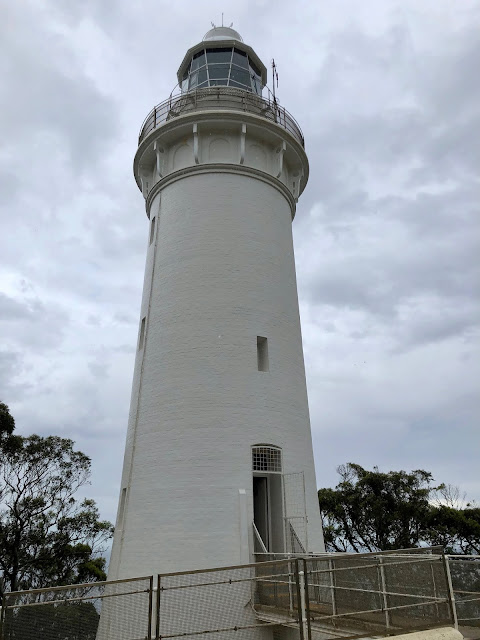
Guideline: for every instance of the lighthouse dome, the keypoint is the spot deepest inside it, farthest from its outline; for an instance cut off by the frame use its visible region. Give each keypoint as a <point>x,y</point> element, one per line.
<point>222,33</point>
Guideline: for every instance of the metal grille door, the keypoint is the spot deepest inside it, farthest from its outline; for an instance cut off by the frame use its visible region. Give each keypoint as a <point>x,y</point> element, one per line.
<point>295,509</point>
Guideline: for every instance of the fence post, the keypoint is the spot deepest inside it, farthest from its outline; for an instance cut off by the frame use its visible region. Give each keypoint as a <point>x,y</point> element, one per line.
<point>451,596</point>
<point>435,592</point>
<point>384,595</point>
<point>150,608</point>
<point>157,612</point>
<point>302,614</point>
<point>332,589</point>
<point>290,585</point>
<point>2,615</point>
<point>299,600</point>
<point>307,599</point>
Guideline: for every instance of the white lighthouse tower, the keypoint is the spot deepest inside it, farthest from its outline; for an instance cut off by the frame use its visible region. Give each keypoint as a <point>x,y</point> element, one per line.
<point>218,460</point>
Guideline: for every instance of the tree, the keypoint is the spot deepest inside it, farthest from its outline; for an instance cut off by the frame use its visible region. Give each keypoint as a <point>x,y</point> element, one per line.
<point>47,537</point>
<point>375,511</point>
<point>458,530</point>
<point>7,423</point>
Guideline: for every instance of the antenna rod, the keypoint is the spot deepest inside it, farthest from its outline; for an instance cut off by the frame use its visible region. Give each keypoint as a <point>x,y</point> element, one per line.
<point>274,72</point>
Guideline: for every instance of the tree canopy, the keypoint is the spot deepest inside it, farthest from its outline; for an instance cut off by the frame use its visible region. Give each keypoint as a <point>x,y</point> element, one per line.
<point>47,536</point>
<point>376,511</point>
<point>7,423</point>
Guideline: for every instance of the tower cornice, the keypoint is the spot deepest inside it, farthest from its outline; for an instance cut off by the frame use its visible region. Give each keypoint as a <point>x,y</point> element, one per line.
<point>219,168</point>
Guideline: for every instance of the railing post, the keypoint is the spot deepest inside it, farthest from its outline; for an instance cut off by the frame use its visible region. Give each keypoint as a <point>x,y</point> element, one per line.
<point>384,595</point>
<point>299,599</point>
<point>302,617</point>
<point>307,599</point>
<point>150,608</point>
<point>451,596</point>
<point>332,589</point>
<point>290,586</point>
<point>155,117</point>
<point>157,612</point>
<point>2,616</point>
<point>435,592</point>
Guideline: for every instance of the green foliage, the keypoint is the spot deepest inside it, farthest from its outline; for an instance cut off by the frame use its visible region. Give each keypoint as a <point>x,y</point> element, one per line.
<point>47,537</point>
<point>375,511</point>
<point>7,423</point>
<point>458,530</point>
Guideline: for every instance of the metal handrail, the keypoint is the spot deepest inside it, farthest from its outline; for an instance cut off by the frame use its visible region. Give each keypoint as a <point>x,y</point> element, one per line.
<point>220,98</point>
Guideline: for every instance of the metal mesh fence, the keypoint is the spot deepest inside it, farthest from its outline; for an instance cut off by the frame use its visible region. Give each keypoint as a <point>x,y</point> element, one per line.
<point>237,602</point>
<point>465,574</point>
<point>417,594</point>
<point>277,589</point>
<point>378,594</point>
<point>351,594</point>
<point>117,610</point>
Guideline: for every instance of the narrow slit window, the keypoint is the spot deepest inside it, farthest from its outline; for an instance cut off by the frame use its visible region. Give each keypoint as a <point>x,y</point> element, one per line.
<point>141,338</point>
<point>262,353</point>
<point>152,229</point>
<point>122,507</point>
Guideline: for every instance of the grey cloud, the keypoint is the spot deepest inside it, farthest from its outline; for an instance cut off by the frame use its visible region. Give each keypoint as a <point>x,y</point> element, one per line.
<point>384,255</point>
<point>432,130</point>
<point>430,322</point>
<point>50,100</point>
<point>31,323</point>
<point>10,367</point>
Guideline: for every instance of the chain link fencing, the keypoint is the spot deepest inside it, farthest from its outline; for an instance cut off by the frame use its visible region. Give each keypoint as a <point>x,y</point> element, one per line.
<point>327,594</point>
<point>465,576</point>
<point>378,594</point>
<point>119,610</point>
<point>235,602</point>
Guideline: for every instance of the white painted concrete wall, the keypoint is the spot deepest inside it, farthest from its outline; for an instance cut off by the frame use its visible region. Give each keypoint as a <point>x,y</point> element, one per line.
<point>223,272</point>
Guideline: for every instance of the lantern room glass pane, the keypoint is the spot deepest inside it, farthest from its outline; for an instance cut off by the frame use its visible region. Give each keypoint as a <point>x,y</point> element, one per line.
<point>219,55</point>
<point>237,85</point>
<point>254,68</point>
<point>216,71</point>
<point>198,60</point>
<point>202,75</point>
<point>241,75</point>
<point>257,85</point>
<point>240,58</point>
<point>193,80</point>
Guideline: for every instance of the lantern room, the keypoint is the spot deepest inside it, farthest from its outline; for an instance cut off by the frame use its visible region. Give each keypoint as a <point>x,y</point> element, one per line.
<point>223,59</point>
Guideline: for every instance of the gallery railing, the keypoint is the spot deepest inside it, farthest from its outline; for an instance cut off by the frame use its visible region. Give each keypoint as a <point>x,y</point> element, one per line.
<point>220,98</point>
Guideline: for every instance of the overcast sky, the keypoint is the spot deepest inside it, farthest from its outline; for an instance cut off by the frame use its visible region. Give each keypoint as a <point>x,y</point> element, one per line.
<point>386,234</point>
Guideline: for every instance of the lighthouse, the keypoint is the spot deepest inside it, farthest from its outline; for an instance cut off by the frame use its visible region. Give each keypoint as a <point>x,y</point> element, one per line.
<point>218,465</point>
